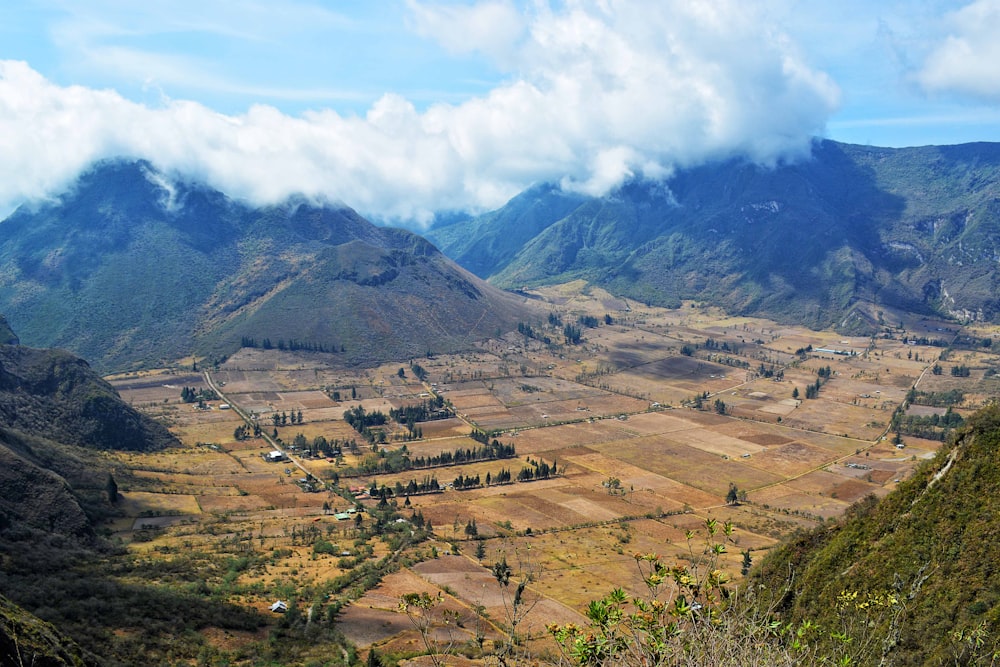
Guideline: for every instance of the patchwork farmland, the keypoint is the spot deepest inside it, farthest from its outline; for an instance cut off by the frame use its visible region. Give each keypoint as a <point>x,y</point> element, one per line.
<point>645,430</point>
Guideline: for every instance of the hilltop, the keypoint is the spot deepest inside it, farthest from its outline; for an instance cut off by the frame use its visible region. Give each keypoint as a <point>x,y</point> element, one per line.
<point>132,267</point>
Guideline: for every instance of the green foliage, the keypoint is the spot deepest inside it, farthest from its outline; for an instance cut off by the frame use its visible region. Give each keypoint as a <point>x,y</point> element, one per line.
<point>572,334</point>
<point>690,614</point>
<point>192,395</point>
<point>931,427</point>
<point>733,495</point>
<point>112,489</point>
<point>934,556</point>
<point>27,640</point>
<point>938,399</point>
<point>321,546</point>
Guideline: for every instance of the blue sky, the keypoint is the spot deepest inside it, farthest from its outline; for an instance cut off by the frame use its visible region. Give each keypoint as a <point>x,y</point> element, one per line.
<point>406,108</point>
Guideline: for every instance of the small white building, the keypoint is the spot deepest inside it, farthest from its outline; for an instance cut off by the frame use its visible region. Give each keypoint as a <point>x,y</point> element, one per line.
<point>275,455</point>
<point>279,607</point>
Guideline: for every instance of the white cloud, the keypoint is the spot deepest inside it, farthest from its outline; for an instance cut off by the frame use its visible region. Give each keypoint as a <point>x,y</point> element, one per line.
<point>598,92</point>
<point>967,60</point>
<point>491,27</point>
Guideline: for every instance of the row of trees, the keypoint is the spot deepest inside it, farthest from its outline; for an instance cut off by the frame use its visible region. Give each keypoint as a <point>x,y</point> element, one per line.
<point>284,418</point>
<point>383,462</point>
<point>712,344</point>
<point>938,399</point>
<point>930,427</point>
<point>534,471</point>
<point>292,345</point>
<point>494,450</point>
<point>412,488</point>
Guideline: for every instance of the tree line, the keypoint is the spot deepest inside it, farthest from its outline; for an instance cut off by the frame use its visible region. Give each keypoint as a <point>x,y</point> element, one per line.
<point>291,345</point>
<point>399,460</point>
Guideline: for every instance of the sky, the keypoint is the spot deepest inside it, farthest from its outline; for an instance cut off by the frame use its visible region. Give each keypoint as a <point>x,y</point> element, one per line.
<point>405,109</point>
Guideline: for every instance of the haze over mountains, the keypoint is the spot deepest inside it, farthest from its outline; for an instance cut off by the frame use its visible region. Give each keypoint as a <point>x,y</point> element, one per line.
<point>132,268</point>
<point>827,241</point>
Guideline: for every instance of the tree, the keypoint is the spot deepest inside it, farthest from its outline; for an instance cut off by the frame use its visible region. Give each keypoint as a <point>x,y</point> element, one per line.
<point>471,529</point>
<point>720,406</point>
<point>419,608</point>
<point>112,489</point>
<point>733,496</point>
<point>795,392</point>
<point>374,660</point>
<point>747,563</point>
<point>480,550</point>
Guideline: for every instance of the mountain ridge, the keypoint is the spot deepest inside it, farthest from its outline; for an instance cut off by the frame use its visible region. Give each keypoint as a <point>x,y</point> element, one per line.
<point>852,231</point>
<point>130,268</point>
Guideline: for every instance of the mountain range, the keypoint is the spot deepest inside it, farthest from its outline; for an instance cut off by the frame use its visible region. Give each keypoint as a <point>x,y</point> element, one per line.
<point>134,268</point>
<point>826,241</point>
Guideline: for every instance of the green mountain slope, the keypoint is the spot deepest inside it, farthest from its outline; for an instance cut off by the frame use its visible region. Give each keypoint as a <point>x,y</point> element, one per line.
<point>494,239</point>
<point>855,227</point>
<point>27,640</point>
<point>55,395</point>
<point>131,268</point>
<point>931,544</point>
<point>56,415</point>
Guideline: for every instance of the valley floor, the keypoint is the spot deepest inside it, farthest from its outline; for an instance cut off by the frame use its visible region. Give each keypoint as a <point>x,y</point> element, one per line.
<point>655,421</point>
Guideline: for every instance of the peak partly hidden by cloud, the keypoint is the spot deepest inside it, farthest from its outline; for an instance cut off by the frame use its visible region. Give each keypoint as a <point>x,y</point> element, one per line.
<point>597,92</point>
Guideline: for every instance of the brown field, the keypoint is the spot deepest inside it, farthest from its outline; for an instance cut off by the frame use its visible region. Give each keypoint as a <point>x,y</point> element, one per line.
<point>632,476</point>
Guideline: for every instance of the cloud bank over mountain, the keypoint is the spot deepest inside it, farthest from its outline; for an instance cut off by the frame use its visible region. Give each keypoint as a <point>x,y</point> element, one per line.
<point>595,93</point>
